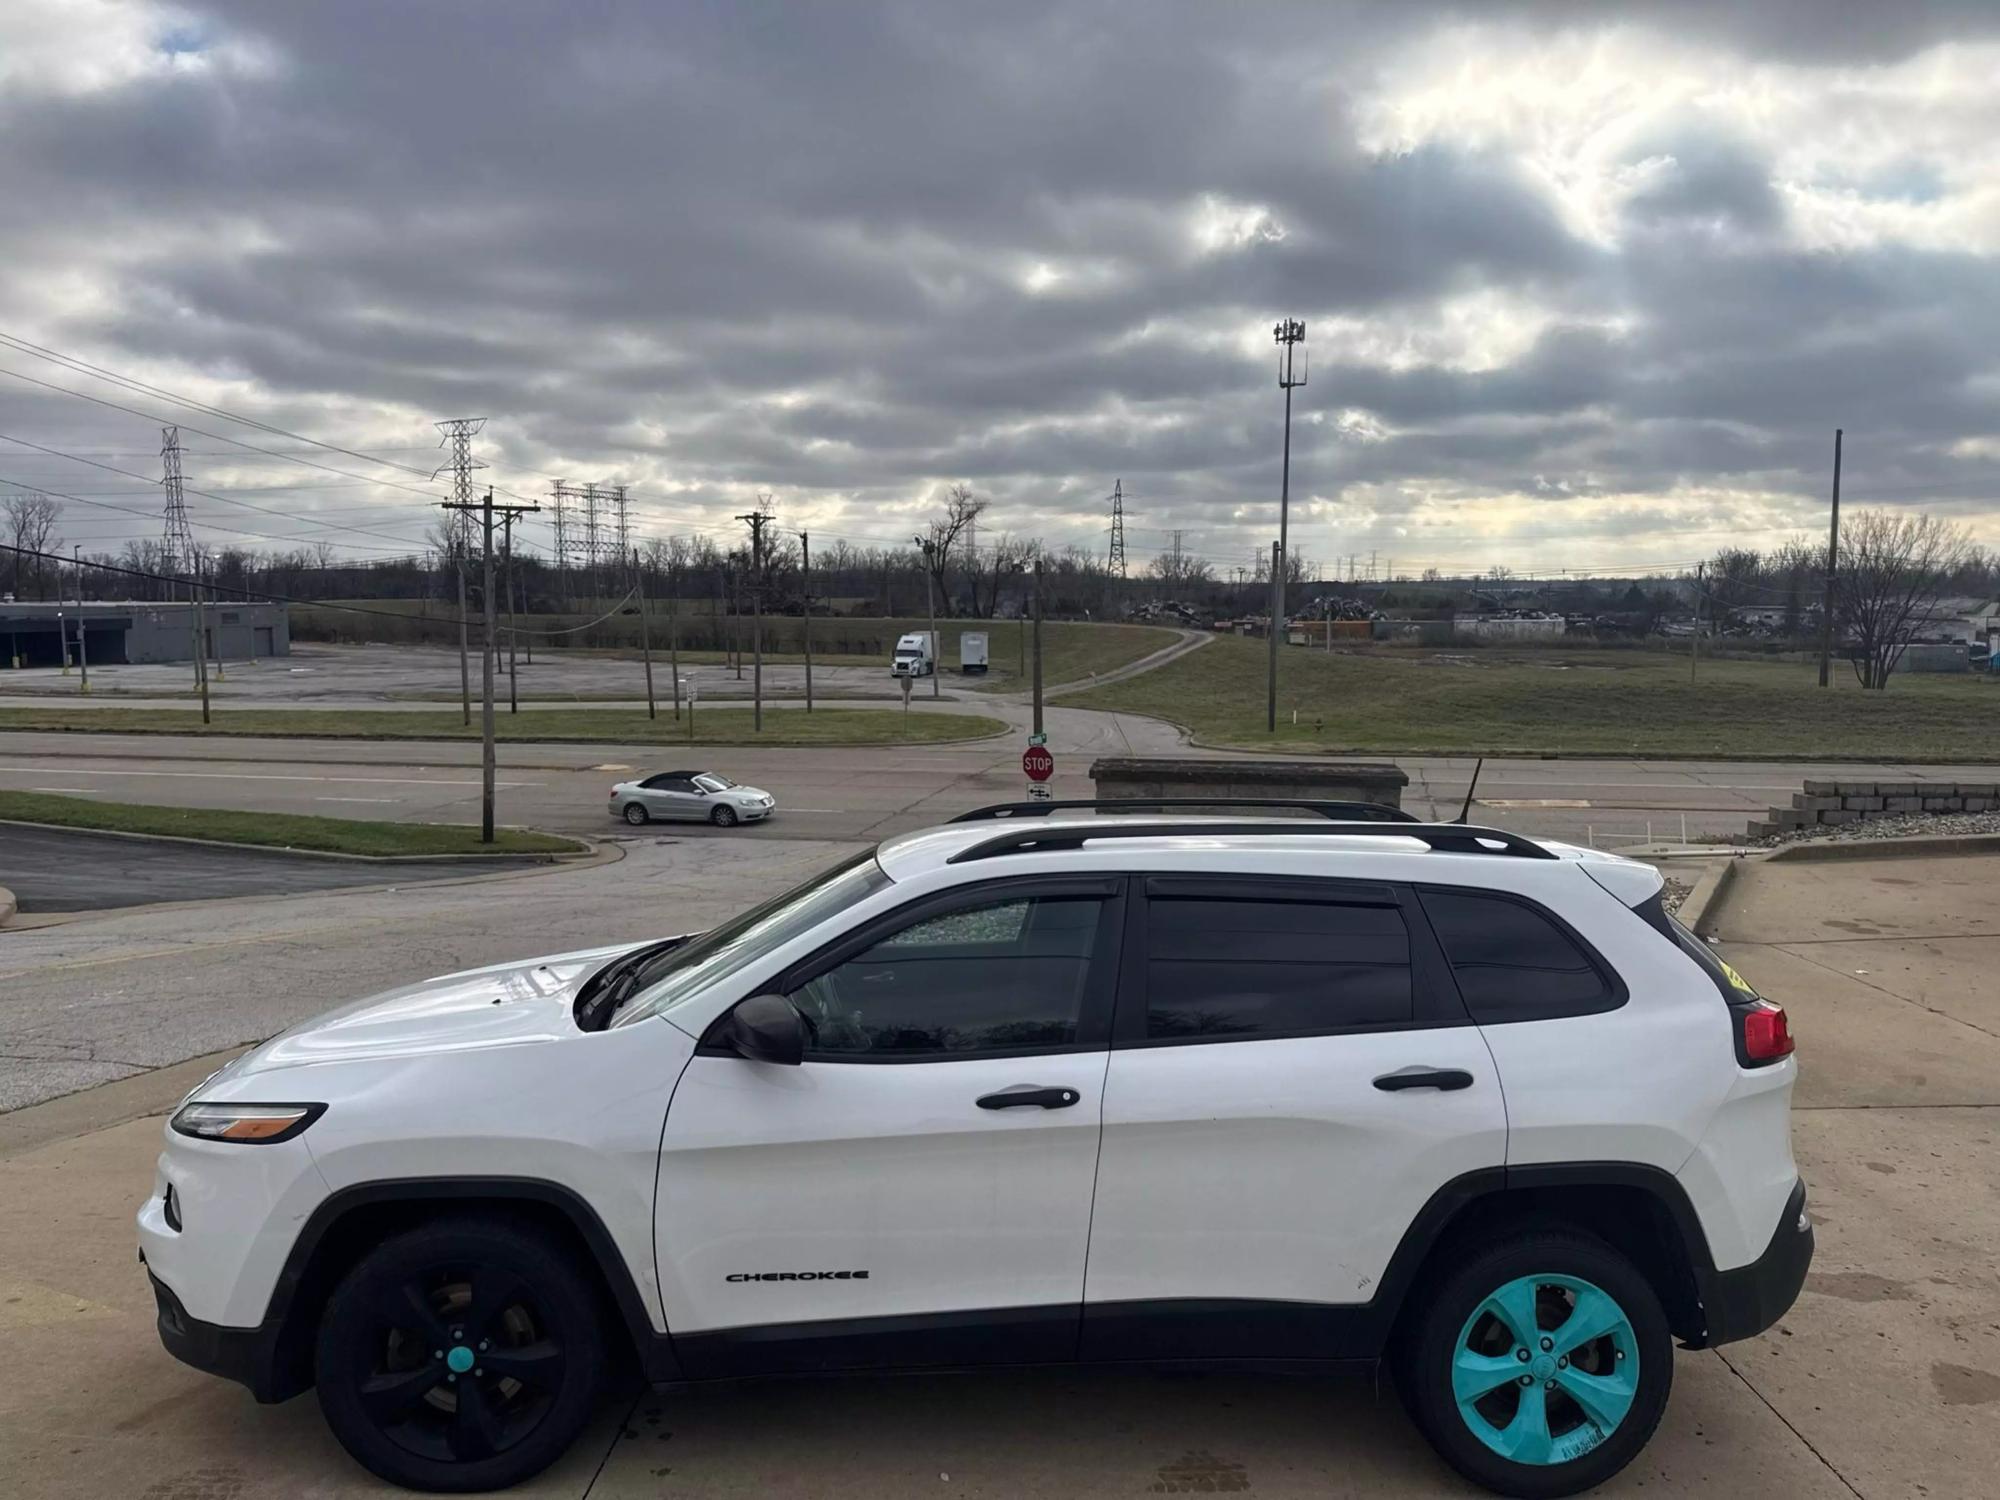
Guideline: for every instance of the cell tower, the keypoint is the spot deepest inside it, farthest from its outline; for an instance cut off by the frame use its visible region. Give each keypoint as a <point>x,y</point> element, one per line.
<point>177,553</point>
<point>1115,563</point>
<point>458,434</point>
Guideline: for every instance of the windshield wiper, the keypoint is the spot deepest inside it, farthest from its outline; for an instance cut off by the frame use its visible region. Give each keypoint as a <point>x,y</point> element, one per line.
<point>615,983</point>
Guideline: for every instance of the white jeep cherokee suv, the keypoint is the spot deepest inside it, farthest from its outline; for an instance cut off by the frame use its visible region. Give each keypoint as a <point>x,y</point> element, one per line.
<point>1021,1090</point>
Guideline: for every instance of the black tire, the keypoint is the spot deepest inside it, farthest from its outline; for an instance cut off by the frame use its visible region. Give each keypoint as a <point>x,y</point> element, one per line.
<point>493,1301</point>
<point>1437,1332</point>
<point>723,817</point>
<point>636,815</point>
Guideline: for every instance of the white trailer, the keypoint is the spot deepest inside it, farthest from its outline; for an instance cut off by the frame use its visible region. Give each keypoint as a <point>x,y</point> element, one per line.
<point>972,652</point>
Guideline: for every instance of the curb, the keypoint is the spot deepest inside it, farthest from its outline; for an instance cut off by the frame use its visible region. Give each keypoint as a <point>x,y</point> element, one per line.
<point>1899,848</point>
<point>1706,897</point>
<point>550,857</point>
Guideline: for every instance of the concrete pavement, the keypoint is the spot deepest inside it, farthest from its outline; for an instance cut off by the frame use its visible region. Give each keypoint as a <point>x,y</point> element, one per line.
<point>1883,1381</point>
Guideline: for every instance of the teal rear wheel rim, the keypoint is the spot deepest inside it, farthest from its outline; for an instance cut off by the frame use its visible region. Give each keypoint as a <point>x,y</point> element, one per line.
<point>1545,1369</point>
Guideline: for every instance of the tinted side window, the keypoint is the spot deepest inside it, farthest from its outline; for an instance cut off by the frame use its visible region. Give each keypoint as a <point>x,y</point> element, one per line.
<point>1513,963</point>
<point>1232,969</point>
<point>1008,975</point>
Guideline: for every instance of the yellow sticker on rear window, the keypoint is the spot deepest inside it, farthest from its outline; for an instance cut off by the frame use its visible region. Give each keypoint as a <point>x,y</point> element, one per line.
<point>1736,979</point>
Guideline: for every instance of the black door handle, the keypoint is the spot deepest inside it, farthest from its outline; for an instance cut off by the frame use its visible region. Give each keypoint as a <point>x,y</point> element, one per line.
<point>1443,1079</point>
<point>1024,1094</point>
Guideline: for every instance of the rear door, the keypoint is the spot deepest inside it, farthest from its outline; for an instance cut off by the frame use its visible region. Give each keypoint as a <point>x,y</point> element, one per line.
<point>1292,1078</point>
<point>918,1190</point>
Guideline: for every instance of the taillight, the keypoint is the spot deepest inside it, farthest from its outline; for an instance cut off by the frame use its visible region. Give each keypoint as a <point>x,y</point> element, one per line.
<point>1765,1033</point>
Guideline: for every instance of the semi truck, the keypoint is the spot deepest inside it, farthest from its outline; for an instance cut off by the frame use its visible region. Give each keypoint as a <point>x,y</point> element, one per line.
<point>916,655</point>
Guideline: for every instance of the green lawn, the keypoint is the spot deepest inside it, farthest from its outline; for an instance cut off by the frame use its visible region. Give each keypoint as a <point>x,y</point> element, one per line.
<point>712,726</point>
<point>1579,702</point>
<point>282,830</point>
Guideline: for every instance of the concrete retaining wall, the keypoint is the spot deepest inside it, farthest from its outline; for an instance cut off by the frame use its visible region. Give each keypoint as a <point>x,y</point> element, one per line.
<point>1133,780</point>
<point>1846,801</point>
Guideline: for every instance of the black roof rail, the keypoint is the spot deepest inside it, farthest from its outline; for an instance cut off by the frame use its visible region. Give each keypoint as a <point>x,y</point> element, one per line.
<point>1346,812</point>
<point>1447,838</point>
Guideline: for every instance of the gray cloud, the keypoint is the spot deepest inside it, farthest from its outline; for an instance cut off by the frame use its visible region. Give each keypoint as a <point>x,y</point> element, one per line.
<point>848,253</point>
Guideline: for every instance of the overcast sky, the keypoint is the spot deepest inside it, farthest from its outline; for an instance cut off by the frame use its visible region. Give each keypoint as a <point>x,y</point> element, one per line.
<point>1583,284</point>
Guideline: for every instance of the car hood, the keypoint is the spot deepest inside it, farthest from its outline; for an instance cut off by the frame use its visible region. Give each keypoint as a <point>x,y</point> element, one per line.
<point>746,793</point>
<point>505,1005</point>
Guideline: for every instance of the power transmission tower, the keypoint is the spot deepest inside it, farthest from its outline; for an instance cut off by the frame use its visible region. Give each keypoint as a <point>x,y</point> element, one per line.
<point>621,521</point>
<point>1177,555</point>
<point>757,520</point>
<point>1115,562</point>
<point>177,545</point>
<point>458,434</point>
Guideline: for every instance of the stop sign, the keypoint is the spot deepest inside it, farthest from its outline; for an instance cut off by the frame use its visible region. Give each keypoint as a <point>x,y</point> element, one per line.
<point>1038,763</point>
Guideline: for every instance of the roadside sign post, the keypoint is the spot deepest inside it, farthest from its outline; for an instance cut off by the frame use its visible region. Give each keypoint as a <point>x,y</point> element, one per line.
<point>694,692</point>
<point>1038,765</point>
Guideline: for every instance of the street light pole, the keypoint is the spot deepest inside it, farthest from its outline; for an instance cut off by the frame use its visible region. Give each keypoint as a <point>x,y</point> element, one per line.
<point>1289,334</point>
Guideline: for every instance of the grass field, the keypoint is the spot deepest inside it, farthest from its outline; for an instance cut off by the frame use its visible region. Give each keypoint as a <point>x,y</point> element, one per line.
<point>712,726</point>
<point>1586,702</point>
<point>1072,650</point>
<point>280,830</point>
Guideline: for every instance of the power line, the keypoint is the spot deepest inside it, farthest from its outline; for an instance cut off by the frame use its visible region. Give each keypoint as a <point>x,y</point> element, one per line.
<point>82,366</point>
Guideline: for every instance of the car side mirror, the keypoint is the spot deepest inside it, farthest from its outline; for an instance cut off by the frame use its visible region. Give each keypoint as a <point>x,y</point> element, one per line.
<point>768,1028</point>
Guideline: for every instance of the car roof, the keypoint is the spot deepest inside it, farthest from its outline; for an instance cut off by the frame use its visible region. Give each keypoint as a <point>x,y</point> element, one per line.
<point>1290,847</point>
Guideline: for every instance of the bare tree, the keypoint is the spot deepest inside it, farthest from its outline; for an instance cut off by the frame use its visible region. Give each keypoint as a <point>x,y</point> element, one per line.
<point>1006,558</point>
<point>961,509</point>
<point>1180,571</point>
<point>1891,572</point>
<point>30,519</point>
<point>1794,571</point>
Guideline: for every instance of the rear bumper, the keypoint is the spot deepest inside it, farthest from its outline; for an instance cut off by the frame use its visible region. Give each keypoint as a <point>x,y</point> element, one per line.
<point>1744,1301</point>
<point>247,1356</point>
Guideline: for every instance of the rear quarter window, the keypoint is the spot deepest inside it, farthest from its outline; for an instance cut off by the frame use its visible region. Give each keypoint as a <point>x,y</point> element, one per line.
<point>1515,962</point>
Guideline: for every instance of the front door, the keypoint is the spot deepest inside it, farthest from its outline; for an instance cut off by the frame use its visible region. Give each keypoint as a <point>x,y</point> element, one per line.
<point>1292,1078</point>
<point>918,1191</point>
<point>673,797</point>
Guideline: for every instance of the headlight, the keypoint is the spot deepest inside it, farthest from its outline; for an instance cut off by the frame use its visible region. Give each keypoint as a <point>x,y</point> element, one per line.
<point>248,1124</point>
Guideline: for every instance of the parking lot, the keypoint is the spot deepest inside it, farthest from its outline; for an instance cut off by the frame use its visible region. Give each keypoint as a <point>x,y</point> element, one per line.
<point>1883,1381</point>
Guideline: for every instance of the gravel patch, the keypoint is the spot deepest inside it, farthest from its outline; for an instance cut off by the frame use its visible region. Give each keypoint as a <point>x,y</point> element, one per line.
<point>1676,892</point>
<point>1904,826</point>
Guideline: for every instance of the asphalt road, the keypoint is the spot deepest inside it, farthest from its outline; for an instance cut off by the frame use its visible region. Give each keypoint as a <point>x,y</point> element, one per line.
<point>867,793</point>
<point>51,870</point>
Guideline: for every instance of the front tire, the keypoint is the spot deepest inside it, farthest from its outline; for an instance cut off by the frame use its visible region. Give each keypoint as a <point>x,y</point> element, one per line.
<point>723,817</point>
<point>461,1356</point>
<point>1541,1366</point>
<point>636,815</point>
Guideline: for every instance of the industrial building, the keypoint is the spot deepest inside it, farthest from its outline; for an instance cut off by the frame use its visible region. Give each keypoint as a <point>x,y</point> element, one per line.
<point>133,632</point>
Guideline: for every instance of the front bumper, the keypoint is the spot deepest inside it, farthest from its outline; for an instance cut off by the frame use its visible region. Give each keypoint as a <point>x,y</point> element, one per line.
<point>1744,1301</point>
<point>247,1356</point>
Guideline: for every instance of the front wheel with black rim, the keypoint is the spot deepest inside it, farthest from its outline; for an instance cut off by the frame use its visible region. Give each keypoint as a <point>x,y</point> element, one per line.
<point>1539,1367</point>
<point>723,817</point>
<point>461,1356</point>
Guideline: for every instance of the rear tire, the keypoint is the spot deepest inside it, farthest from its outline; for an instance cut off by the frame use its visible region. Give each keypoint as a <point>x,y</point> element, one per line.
<point>723,817</point>
<point>464,1355</point>
<point>636,815</point>
<point>1573,1424</point>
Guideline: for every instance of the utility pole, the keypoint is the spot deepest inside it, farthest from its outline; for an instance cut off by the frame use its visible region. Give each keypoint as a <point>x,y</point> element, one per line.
<point>1289,334</point>
<point>930,608</point>
<point>645,636</point>
<point>194,631</point>
<point>756,520</point>
<point>674,632</point>
<point>513,630</point>
<point>491,649</point>
<point>1694,640</point>
<point>82,644</point>
<point>806,568</point>
<point>1832,570</point>
<point>1038,649</point>
<point>213,634</point>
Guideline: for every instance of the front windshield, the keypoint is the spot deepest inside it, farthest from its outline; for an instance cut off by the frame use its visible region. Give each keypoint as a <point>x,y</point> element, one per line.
<point>710,781</point>
<point>681,973</point>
